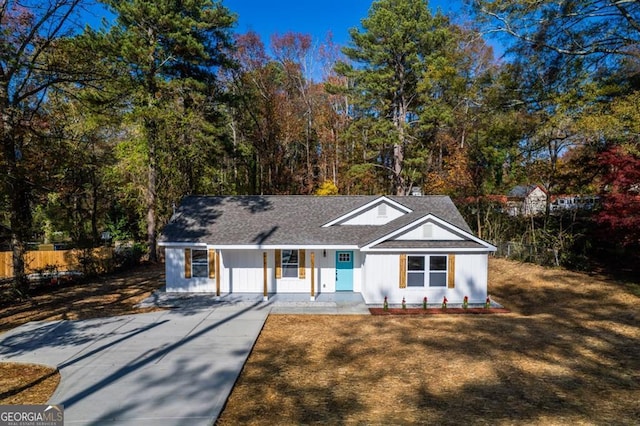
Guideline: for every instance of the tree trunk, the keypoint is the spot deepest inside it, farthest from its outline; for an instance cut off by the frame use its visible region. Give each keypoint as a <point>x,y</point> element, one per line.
<point>152,134</point>
<point>398,152</point>
<point>17,188</point>
<point>398,160</point>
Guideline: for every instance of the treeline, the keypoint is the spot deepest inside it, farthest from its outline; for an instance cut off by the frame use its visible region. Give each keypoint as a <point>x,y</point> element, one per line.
<point>107,129</point>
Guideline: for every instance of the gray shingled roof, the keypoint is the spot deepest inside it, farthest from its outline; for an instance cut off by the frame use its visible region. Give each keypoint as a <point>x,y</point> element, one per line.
<point>291,219</point>
<point>521,191</point>
<point>431,244</point>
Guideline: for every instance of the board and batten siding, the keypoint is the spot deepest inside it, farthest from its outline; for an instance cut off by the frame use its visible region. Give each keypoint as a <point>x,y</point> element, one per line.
<point>175,274</point>
<point>242,271</point>
<point>381,277</point>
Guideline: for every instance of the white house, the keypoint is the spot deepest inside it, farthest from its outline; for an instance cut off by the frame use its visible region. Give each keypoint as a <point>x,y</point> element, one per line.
<point>378,246</point>
<point>527,200</point>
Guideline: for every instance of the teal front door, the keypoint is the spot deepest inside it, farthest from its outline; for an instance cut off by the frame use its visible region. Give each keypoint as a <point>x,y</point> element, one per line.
<point>344,271</point>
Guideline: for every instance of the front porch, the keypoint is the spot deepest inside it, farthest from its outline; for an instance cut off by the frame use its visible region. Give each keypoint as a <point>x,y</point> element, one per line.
<point>341,303</point>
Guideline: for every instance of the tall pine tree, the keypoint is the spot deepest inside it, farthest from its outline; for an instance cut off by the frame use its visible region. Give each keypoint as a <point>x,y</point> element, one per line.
<point>390,54</point>
<point>163,44</point>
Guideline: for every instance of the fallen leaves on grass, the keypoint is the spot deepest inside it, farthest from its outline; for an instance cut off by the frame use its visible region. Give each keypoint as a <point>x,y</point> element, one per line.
<point>27,383</point>
<point>109,295</point>
<point>567,354</point>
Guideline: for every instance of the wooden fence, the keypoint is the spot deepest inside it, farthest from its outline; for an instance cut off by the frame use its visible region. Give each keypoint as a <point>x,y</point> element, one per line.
<point>63,260</point>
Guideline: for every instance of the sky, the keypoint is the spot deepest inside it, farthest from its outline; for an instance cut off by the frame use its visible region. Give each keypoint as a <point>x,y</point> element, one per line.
<point>316,18</point>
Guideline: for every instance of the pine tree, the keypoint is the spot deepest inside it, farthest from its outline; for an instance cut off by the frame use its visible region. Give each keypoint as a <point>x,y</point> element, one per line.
<point>390,55</point>
<point>165,44</point>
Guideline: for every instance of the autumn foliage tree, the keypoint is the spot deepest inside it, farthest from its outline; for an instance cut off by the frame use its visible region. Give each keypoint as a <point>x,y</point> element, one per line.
<point>34,38</point>
<point>620,213</point>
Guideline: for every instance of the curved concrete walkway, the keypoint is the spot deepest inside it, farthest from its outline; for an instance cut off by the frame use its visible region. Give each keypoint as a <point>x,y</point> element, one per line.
<point>173,367</point>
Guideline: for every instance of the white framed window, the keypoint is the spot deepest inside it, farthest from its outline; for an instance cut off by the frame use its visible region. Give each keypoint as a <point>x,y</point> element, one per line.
<point>427,271</point>
<point>199,263</point>
<point>290,263</point>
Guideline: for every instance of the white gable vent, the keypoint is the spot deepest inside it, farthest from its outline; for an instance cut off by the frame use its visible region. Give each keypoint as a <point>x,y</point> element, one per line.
<point>382,210</point>
<point>427,230</point>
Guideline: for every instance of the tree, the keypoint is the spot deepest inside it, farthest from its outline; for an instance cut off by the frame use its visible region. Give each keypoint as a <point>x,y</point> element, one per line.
<point>390,54</point>
<point>32,37</point>
<point>620,214</point>
<point>293,52</point>
<point>257,117</point>
<point>166,46</point>
<point>597,29</point>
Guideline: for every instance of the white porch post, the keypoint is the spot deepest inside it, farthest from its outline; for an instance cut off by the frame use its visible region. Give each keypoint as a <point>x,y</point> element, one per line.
<point>265,294</point>
<point>313,277</point>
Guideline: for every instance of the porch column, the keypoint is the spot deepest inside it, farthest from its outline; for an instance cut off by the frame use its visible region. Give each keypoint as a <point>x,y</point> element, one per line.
<point>313,277</point>
<point>265,295</point>
<point>218,273</point>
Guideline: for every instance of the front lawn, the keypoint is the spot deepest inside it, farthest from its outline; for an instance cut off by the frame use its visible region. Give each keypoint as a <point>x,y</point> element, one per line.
<point>103,296</point>
<point>567,354</point>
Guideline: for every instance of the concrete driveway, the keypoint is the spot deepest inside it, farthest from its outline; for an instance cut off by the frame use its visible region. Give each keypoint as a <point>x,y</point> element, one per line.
<point>164,368</point>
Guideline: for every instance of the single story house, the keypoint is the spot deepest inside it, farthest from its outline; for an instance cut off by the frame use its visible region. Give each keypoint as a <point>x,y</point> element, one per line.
<point>527,200</point>
<point>400,247</point>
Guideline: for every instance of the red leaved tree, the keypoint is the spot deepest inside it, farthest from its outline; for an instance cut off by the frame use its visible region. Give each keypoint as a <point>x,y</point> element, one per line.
<point>620,214</point>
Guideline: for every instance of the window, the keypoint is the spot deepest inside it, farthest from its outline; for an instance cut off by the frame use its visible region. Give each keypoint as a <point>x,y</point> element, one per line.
<point>199,263</point>
<point>289,263</point>
<point>344,257</point>
<point>437,271</point>
<point>426,271</point>
<point>415,271</point>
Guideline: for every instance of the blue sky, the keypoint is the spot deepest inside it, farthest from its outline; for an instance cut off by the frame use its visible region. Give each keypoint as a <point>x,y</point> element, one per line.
<point>309,17</point>
<point>316,18</point>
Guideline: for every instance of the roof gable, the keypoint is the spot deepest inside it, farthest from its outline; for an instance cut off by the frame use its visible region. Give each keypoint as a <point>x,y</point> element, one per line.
<point>523,191</point>
<point>377,212</point>
<point>429,232</point>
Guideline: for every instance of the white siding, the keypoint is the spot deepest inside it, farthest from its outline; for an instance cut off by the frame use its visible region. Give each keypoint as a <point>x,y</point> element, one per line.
<point>243,271</point>
<point>437,232</point>
<point>326,271</point>
<point>375,275</point>
<point>372,216</point>
<point>535,203</point>
<point>176,282</point>
<point>382,273</point>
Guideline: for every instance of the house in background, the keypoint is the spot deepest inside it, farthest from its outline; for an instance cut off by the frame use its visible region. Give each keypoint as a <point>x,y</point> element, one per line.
<point>527,200</point>
<point>561,203</point>
<point>378,246</point>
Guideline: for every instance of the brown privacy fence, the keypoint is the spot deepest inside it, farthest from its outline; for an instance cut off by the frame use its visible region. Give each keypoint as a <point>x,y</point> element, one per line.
<point>98,259</point>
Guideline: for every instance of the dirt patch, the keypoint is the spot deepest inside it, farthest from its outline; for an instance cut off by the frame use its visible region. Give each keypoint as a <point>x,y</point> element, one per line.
<point>566,354</point>
<point>27,383</point>
<point>116,294</point>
